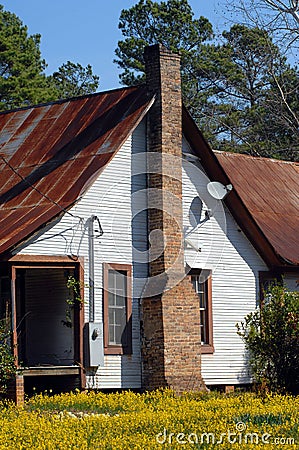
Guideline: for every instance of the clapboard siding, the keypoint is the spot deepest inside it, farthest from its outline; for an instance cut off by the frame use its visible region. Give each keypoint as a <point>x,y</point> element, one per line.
<point>118,198</point>
<point>235,265</point>
<point>109,198</point>
<point>291,281</point>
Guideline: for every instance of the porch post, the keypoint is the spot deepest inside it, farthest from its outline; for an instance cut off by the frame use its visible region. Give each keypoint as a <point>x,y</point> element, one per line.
<point>15,389</point>
<point>14,315</point>
<point>16,385</point>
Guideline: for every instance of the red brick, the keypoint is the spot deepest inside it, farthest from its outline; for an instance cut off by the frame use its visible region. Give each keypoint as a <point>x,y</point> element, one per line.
<point>171,350</point>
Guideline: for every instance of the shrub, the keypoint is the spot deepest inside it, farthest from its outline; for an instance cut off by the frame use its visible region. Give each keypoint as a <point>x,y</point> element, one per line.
<point>7,362</point>
<point>271,336</point>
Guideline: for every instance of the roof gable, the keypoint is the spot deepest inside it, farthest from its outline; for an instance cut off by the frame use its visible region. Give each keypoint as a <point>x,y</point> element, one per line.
<point>270,191</point>
<point>265,198</point>
<point>50,154</point>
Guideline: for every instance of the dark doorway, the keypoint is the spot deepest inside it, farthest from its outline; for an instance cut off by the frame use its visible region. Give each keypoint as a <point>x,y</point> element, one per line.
<point>45,323</point>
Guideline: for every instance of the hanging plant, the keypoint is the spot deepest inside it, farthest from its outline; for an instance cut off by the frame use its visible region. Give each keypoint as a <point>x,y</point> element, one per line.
<point>74,298</point>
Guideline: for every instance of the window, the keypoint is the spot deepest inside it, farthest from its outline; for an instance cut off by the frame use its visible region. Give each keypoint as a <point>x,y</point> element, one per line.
<point>117,309</point>
<point>202,282</point>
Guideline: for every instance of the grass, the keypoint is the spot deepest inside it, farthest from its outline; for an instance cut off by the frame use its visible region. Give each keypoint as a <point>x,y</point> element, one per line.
<point>153,420</point>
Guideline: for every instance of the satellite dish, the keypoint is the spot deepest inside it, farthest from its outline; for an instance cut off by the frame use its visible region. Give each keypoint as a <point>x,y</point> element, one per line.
<point>218,190</point>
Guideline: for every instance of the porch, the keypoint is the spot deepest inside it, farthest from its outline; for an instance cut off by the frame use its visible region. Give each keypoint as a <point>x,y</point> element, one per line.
<point>46,321</point>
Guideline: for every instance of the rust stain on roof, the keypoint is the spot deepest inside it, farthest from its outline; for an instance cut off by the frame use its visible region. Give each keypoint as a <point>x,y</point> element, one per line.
<point>269,190</point>
<point>43,146</point>
<point>73,140</point>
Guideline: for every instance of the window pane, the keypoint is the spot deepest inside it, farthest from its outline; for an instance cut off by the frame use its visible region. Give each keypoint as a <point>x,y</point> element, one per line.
<point>203,327</point>
<point>120,316</point>
<point>201,286</point>
<point>111,335</point>
<point>111,315</point>
<point>120,336</point>
<point>117,307</point>
<point>202,300</point>
<point>120,301</point>
<point>111,299</point>
<point>120,281</point>
<point>117,325</point>
<point>111,281</point>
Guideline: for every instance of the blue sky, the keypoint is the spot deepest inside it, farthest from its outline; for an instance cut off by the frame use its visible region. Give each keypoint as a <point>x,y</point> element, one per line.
<point>86,32</point>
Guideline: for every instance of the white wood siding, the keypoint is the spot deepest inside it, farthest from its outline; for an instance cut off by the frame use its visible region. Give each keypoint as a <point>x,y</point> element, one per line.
<point>117,197</point>
<point>234,264</point>
<point>109,198</point>
<point>291,281</point>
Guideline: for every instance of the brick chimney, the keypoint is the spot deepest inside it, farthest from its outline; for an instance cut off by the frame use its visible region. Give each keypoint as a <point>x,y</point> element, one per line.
<point>170,308</point>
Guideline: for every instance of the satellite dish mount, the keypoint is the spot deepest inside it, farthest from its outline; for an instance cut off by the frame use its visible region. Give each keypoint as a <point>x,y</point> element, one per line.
<point>218,190</point>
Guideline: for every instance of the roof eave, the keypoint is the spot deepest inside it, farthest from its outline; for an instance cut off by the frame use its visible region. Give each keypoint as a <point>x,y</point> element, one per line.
<point>50,218</point>
<point>233,201</point>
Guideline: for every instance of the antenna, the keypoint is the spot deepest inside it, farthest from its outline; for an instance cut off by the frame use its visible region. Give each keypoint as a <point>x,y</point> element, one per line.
<point>218,190</point>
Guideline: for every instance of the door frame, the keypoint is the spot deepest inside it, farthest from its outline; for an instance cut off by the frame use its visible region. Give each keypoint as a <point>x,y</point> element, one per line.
<point>49,262</point>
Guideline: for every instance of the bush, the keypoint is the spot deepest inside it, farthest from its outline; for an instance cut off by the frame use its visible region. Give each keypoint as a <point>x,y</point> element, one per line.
<point>7,362</point>
<point>271,336</point>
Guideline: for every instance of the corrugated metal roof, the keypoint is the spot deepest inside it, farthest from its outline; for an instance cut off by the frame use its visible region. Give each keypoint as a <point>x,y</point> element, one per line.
<point>269,189</point>
<point>50,154</point>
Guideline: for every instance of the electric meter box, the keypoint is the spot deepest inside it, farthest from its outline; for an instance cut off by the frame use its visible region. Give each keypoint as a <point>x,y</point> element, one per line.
<point>93,344</point>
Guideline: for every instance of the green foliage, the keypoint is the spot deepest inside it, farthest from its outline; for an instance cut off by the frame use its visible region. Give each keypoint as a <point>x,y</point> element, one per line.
<point>74,299</point>
<point>72,80</point>
<point>279,17</point>
<point>22,78</point>
<point>271,336</point>
<point>7,363</point>
<point>245,102</point>
<point>170,23</point>
<point>239,89</point>
<point>125,420</point>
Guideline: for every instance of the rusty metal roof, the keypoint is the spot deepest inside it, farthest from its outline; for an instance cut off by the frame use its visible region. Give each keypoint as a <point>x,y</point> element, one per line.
<point>269,189</point>
<point>50,154</point>
<point>264,201</point>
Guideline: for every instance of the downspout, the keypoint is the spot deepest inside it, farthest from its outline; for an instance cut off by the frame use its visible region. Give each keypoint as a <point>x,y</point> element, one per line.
<point>91,237</point>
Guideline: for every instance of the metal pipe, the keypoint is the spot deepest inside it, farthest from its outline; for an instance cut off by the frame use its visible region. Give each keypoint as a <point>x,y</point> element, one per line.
<point>91,237</point>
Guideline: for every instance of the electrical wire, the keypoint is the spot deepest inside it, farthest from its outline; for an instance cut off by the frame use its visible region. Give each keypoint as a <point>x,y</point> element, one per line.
<point>38,191</point>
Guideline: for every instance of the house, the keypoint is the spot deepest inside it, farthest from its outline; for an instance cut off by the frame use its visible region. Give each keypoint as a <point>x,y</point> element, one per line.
<point>129,249</point>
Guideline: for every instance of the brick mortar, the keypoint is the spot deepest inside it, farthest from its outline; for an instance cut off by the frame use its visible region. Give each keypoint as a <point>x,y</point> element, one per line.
<point>171,349</point>
<point>171,339</point>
